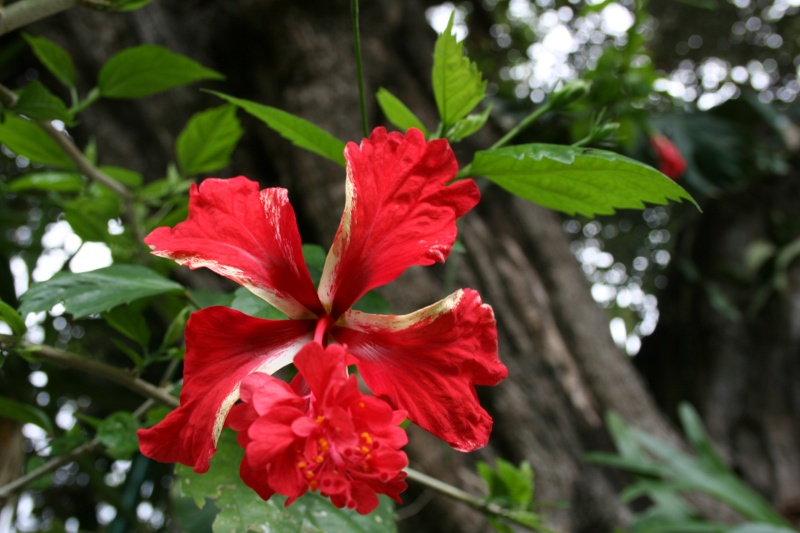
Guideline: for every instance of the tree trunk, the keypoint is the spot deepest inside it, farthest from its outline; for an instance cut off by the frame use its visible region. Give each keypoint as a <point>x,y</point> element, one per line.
<point>565,371</point>
<point>729,337</point>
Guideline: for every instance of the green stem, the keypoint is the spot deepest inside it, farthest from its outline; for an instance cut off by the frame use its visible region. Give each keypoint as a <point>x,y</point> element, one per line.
<point>475,502</point>
<point>527,121</point>
<point>359,66</point>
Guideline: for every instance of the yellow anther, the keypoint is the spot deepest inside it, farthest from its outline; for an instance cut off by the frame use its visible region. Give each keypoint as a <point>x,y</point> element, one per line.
<point>302,464</point>
<point>366,437</point>
<point>309,475</point>
<point>362,404</point>
<point>324,445</point>
<point>364,449</point>
<point>319,459</point>
<point>320,419</point>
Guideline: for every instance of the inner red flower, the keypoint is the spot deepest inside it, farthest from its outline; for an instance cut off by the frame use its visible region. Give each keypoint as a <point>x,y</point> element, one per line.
<point>399,212</point>
<point>330,438</point>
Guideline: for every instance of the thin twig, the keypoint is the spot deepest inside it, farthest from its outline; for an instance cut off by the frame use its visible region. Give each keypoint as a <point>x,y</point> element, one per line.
<point>54,463</point>
<point>90,366</point>
<point>475,502</point>
<point>57,462</point>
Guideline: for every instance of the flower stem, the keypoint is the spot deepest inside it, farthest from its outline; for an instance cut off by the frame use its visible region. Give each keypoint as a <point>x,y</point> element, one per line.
<point>475,502</point>
<point>359,66</point>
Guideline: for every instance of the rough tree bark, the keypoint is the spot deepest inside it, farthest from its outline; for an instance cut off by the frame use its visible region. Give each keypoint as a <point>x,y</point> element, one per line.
<point>565,371</point>
<point>739,368</point>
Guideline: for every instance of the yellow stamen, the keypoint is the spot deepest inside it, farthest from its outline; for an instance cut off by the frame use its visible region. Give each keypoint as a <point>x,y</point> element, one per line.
<point>366,437</point>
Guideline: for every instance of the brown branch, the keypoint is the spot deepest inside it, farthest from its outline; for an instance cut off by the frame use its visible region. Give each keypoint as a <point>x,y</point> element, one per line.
<point>56,462</point>
<point>95,368</point>
<point>24,12</point>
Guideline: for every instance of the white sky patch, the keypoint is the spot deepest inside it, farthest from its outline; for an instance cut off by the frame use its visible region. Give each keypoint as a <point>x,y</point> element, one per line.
<point>617,19</point>
<point>91,256</point>
<point>438,17</point>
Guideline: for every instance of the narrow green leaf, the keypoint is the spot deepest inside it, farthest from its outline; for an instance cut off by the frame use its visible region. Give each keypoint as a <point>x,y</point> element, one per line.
<point>14,321</point>
<point>397,113</point>
<point>761,528</point>
<point>468,125</point>
<point>48,181</point>
<point>299,131</point>
<point>53,57</point>
<point>576,180</point>
<point>176,328</point>
<point>118,434</point>
<point>126,176</point>
<point>457,83</point>
<point>38,103</point>
<point>242,510</point>
<point>93,292</point>
<point>208,140</point>
<point>25,138</point>
<point>148,69</point>
<point>130,323</point>
<point>25,414</point>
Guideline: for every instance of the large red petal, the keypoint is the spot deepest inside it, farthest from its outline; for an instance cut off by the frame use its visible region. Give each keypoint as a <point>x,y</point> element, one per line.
<point>429,362</point>
<point>223,346</point>
<point>398,213</point>
<point>247,236</point>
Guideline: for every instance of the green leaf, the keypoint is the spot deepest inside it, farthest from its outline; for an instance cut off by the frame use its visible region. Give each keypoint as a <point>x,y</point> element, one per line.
<point>118,434</point>
<point>761,528</point>
<point>129,5</point>
<point>93,292</point>
<point>241,509</point>
<point>53,57</point>
<point>208,140</point>
<point>37,103</point>
<point>14,321</point>
<point>314,256</point>
<point>176,328</point>
<point>468,125</point>
<point>397,113</point>
<point>89,217</point>
<point>25,414</point>
<point>298,130</point>
<point>457,83</point>
<point>148,69</point>
<point>127,177</point>
<point>48,181</point>
<point>25,138</point>
<point>576,180</point>
<point>248,303</point>
<point>130,323</point>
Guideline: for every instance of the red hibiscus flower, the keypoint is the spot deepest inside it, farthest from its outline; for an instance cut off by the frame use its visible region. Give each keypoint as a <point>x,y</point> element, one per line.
<point>670,161</point>
<point>329,437</point>
<point>399,212</point>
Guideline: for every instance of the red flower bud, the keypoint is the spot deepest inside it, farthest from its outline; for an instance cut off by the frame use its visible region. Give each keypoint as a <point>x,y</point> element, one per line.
<point>670,161</point>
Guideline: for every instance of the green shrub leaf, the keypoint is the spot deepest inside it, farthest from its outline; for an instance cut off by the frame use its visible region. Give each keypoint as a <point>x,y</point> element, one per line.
<point>118,434</point>
<point>53,57</point>
<point>25,414</point>
<point>37,103</point>
<point>48,181</point>
<point>298,130</point>
<point>25,138</point>
<point>457,83</point>
<point>576,180</point>
<point>93,292</point>
<point>208,140</point>
<point>397,113</point>
<point>148,69</point>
